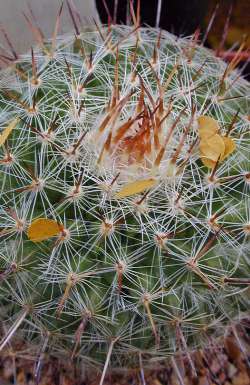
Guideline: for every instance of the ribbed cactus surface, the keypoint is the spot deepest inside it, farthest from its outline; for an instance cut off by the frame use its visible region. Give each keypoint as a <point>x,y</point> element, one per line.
<point>124,197</point>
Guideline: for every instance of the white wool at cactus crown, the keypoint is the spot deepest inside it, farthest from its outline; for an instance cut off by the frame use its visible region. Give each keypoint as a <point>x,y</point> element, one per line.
<point>45,11</point>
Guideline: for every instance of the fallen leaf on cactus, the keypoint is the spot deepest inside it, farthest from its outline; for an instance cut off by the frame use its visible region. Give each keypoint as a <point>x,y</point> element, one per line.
<point>7,131</point>
<point>229,146</point>
<point>207,126</point>
<point>135,187</point>
<point>42,229</point>
<point>208,162</point>
<point>212,148</point>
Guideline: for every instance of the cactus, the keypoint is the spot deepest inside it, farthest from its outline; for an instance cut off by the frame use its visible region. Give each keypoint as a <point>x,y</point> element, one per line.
<point>124,176</point>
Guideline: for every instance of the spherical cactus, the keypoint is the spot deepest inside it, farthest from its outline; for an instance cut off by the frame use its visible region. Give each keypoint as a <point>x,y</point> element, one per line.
<point>124,172</point>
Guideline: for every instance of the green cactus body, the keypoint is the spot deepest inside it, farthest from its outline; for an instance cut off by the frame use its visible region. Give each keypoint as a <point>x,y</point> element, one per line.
<point>151,258</point>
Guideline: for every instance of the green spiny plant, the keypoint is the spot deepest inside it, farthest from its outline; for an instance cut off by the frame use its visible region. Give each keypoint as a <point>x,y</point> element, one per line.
<point>124,172</point>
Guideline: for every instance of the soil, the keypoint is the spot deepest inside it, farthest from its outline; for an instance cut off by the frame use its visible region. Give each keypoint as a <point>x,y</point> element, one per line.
<point>222,364</point>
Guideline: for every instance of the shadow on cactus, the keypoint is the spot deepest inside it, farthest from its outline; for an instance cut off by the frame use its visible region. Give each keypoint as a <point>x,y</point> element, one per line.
<point>124,170</point>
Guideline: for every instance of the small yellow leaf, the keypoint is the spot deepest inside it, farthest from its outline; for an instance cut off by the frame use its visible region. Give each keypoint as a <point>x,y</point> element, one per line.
<point>42,229</point>
<point>7,131</point>
<point>135,187</point>
<point>229,146</point>
<point>208,162</point>
<point>212,148</point>
<point>207,126</point>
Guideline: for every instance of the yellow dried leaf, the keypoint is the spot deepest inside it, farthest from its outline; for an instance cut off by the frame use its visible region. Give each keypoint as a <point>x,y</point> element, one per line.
<point>212,148</point>
<point>42,229</point>
<point>135,187</point>
<point>7,131</point>
<point>229,146</point>
<point>208,162</point>
<point>207,126</point>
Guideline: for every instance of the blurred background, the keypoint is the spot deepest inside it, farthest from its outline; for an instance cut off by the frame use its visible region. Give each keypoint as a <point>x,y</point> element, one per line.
<point>223,24</point>
<point>45,11</point>
<point>230,20</point>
